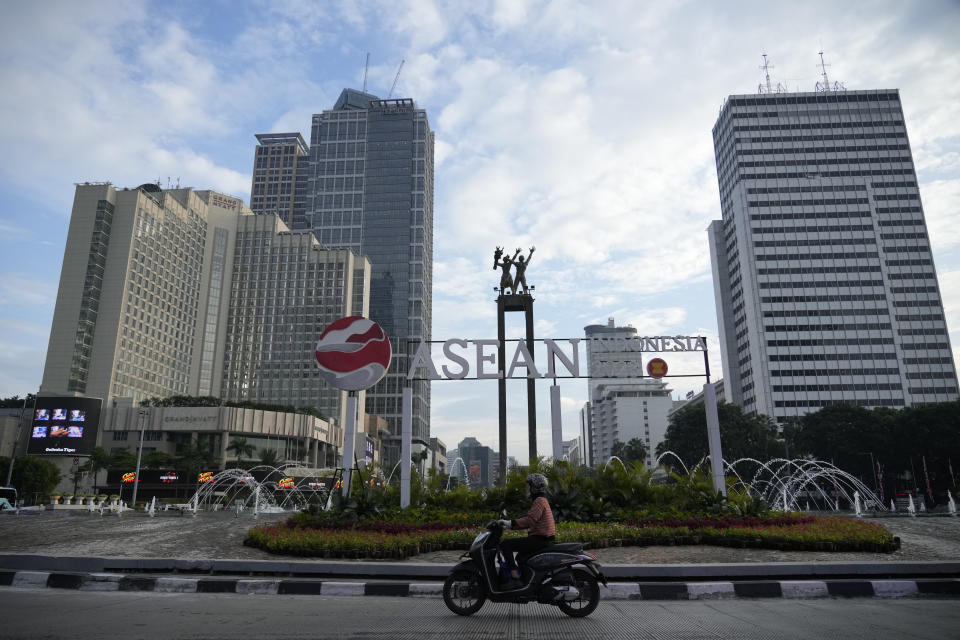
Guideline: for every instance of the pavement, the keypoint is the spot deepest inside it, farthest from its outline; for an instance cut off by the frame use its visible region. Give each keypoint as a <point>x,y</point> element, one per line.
<point>205,554</point>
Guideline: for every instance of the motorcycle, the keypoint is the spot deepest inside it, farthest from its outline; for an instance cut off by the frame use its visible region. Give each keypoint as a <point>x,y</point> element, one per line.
<point>561,574</point>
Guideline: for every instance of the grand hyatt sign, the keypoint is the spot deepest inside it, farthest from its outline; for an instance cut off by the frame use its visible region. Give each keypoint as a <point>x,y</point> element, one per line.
<point>478,359</point>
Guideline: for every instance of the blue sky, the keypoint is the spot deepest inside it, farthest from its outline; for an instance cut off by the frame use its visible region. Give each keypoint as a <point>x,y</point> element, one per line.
<point>580,127</point>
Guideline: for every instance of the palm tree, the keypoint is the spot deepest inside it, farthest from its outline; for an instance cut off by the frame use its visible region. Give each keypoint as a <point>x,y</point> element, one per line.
<point>269,457</point>
<point>99,459</point>
<point>240,447</point>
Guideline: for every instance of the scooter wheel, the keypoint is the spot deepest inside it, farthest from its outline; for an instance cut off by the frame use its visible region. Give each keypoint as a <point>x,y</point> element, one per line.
<point>464,592</point>
<point>589,596</point>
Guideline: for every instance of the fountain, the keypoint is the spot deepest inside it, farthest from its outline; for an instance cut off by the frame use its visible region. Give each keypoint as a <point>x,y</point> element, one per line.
<point>465,479</point>
<point>240,488</point>
<point>912,510</point>
<point>786,484</point>
<point>893,505</point>
<point>671,453</point>
<point>951,505</point>
<point>856,503</point>
<point>611,459</point>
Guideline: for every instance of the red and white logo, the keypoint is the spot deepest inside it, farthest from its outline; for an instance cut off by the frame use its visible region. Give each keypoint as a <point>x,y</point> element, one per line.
<point>353,353</point>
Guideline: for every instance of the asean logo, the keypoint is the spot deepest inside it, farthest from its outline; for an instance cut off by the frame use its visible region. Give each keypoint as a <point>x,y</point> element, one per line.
<point>353,353</point>
<point>657,368</point>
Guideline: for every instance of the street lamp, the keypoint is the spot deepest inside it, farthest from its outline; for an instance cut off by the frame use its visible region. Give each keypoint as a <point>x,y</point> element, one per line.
<point>873,467</point>
<point>136,476</point>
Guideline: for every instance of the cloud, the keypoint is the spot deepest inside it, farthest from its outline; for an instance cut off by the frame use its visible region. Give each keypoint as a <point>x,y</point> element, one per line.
<point>941,202</point>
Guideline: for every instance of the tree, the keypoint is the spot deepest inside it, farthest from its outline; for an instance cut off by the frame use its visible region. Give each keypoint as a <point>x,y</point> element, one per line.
<point>193,459</point>
<point>240,448</point>
<point>633,451</point>
<point>741,436</point>
<point>269,457</point>
<point>844,435</point>
<point>16,402</point>
<point>32,475</point>
<point>158,460</point>
<point>122,460</point>
<point>99,460</point>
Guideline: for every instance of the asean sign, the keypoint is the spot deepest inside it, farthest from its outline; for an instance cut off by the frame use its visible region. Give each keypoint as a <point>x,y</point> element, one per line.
<point>657,368</point>
<point>353,353</point>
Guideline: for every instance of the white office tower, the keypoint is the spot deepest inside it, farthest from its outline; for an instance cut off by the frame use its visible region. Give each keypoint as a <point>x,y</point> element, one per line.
<point>825,286</point>
<point>183,292</point>
<point>623,403</point>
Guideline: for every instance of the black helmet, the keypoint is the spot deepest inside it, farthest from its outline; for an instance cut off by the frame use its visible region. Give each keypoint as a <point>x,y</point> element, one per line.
<point>537,483</point>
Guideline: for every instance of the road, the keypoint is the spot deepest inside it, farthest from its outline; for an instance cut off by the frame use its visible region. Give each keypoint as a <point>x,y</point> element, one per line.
<point>52,614</point>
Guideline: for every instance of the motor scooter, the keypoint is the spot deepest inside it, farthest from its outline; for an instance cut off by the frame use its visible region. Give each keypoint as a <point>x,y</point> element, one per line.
<point>561,574</point>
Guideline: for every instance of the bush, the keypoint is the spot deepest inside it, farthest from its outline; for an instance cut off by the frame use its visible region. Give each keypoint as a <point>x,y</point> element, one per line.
<point>304,535</point>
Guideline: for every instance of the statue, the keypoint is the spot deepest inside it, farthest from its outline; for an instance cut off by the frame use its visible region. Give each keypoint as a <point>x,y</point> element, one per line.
<point>520,279</point>
<point>512,284</point>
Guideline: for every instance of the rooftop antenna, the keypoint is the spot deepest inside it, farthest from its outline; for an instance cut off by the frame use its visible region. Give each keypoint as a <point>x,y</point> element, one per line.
<point>397,77</point>
<point>766,66</point>
<point>366,68</point>
<point>825,85</point>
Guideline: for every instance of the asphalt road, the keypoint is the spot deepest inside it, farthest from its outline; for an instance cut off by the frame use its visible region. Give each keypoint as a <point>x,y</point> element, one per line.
<point>52,614</point>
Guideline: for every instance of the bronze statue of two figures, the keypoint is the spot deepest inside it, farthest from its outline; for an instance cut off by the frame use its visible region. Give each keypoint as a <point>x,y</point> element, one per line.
<point>516,283</point>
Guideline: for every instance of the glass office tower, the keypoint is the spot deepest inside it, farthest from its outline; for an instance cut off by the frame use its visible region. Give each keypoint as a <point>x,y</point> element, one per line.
<point>370,189</point>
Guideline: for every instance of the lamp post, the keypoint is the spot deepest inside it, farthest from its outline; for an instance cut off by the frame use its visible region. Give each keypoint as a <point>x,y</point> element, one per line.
<point>873,467</point>
<point>136,475</point>
<point>16,440</point>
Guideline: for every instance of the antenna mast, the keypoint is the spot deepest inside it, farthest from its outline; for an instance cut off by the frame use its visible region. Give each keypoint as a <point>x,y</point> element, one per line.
<point>825,85</point>
<point>766,66</point>
<point>397,77</point>
<point>366,68</point>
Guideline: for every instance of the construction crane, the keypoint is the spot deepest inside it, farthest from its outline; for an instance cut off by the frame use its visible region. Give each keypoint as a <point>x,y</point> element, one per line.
<point>397,77</point>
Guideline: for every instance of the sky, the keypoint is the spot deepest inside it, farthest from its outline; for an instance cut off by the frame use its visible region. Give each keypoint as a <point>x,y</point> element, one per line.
<point>581,128</point>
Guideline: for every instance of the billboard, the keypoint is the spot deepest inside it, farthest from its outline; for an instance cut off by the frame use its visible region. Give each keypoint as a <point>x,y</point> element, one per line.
<point>64,426</point>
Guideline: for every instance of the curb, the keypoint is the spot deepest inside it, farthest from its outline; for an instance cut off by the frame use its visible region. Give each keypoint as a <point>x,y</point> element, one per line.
<point>791,589</point>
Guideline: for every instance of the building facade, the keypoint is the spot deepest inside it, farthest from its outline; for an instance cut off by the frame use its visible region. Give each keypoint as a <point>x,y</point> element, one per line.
<point>480,462</point>
<point>183,292</point>
<point>624,404</point>
<point>368,187</point>
<point>280,167</point>
<point>285,290</point>
<point>825,285</point>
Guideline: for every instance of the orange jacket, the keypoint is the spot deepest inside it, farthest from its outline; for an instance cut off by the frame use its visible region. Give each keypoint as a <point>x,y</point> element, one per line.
<point>539,519</point>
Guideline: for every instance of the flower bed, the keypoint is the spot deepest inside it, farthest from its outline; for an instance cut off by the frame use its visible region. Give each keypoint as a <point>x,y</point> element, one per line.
<point>372,539</point>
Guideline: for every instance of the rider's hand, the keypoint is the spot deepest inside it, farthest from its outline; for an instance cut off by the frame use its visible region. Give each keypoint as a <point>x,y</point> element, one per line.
<point>505,524</point>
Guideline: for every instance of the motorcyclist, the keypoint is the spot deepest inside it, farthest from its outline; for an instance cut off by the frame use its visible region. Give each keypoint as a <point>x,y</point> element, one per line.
<point>539,523</point>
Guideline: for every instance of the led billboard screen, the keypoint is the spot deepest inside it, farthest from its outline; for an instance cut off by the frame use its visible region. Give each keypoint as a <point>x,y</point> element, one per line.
<point>64,426</point>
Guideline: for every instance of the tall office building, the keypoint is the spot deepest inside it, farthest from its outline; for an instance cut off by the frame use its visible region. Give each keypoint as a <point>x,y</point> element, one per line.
<point>825,286</point>
<point>369,189</point>
<point>280,167</point>
<point>624,404</point>
<point>183,292</point>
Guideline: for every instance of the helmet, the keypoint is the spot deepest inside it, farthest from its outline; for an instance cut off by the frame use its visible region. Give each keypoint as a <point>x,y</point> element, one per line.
<point>537,483</point>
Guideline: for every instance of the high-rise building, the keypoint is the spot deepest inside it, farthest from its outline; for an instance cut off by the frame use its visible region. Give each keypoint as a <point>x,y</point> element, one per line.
<point>280,168</point>
<point>369,189</point>
<point>624,404</point>
<point>183,292</point>
<point>481,462</point>
<point>825,285</point>
<point>285,290</point>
